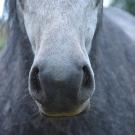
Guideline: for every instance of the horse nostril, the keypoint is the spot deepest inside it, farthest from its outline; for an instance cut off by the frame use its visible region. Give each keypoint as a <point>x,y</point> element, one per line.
<point>34,80</point>
<point>86,77</point>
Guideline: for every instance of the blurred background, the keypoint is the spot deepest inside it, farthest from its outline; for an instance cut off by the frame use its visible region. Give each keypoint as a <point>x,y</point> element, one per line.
<point>128,5</point>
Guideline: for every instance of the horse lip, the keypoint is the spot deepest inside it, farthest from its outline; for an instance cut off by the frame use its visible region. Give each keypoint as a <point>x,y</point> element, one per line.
<point>78,111</point>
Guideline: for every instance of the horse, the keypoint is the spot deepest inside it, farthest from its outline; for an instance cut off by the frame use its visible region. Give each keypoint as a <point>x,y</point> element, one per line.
<point>67,69</point>
<point>123,19</point>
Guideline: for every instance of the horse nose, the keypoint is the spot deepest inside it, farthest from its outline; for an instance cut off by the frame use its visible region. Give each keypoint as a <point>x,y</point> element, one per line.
<point>60,85</point>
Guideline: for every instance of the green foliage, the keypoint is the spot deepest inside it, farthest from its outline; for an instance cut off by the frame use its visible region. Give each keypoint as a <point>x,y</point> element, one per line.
<point>3,34</point>
<point>2,42</point>
<point>128,5</point>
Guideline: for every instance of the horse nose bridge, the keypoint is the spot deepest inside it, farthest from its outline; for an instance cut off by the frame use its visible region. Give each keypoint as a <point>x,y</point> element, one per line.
<point>58,70</point>
<point>61,58</point>
<point>62,64</point>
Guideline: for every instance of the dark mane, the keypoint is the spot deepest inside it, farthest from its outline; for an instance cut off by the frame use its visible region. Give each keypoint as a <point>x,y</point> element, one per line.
<point>14,22</point>
<point>11,10</point>
<point>17,41</point>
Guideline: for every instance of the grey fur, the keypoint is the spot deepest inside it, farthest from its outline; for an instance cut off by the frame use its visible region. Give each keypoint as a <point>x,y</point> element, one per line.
<point>123,19</point>
<point>113,104</point>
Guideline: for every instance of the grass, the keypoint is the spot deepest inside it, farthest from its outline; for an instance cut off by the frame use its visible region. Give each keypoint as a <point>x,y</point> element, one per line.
<point>3,34</point>
<point>2,42</point>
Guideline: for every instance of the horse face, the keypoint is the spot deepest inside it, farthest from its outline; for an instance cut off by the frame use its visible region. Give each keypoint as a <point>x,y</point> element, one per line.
<point>61,80</point>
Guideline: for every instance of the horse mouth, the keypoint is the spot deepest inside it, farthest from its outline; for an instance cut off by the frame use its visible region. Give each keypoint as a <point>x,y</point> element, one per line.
<point>79,110</point>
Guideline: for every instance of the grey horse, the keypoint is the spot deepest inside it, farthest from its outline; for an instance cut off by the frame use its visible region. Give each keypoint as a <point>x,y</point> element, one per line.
<point>67,69</point>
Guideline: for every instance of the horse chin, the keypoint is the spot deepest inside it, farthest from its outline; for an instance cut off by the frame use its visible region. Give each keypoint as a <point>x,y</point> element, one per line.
<point>79,110</point>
